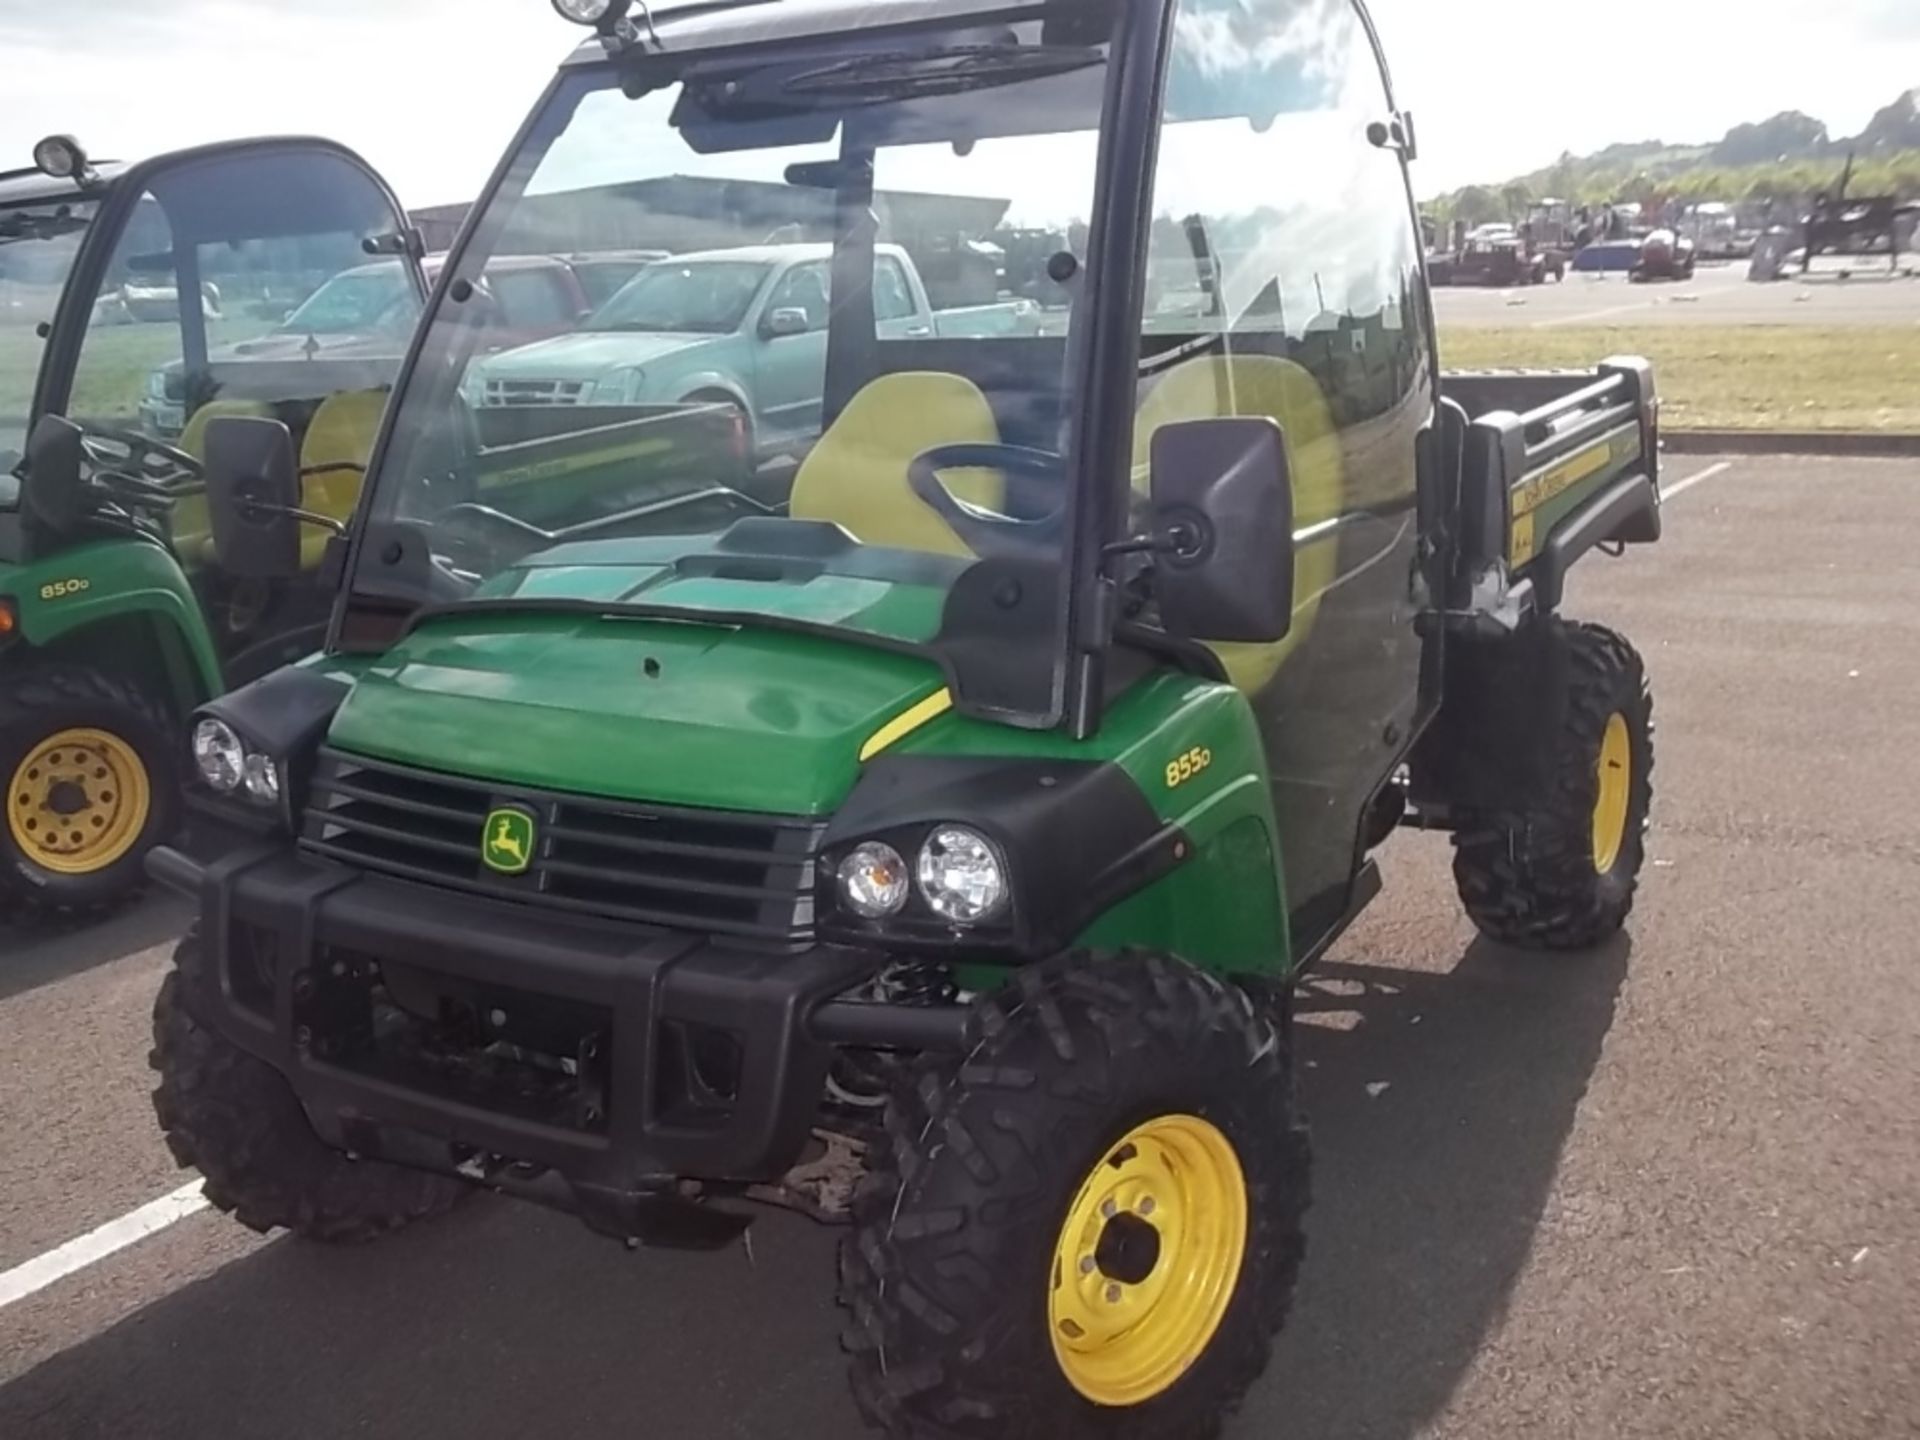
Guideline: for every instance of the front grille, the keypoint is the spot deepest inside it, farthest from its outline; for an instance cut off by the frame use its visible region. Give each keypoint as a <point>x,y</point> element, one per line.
<point>535,392</point>
<point>709,871</point>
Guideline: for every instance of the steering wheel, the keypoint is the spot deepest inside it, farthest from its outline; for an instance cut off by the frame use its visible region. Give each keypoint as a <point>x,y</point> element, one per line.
<point>989,532</point>
<point>136,456</point>
<point>135,490</point>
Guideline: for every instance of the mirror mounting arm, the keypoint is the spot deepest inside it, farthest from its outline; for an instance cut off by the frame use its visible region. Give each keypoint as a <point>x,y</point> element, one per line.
<point>1181,540</point>
<point>253,509</point>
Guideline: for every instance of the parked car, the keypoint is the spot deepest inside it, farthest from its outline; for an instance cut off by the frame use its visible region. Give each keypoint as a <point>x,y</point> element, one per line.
<point>357,324</point>
<point>1664,256</point>
<point>1503,255</point>
<point>602,272</point>
<point>746,327</point>
<point>1713,228</point>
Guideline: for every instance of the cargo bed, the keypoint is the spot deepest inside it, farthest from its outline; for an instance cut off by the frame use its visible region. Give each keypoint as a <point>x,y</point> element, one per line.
<point>1550,464</point>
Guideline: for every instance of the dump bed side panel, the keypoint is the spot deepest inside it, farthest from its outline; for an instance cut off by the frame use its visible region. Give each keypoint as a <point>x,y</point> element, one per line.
<point>1540,486</point>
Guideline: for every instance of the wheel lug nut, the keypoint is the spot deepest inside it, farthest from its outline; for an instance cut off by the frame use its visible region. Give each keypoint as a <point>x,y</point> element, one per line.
<point>1108,1209</point>
<point>1086,1264</point>
<point>1113,1294</point>
<point>1146,1205</point>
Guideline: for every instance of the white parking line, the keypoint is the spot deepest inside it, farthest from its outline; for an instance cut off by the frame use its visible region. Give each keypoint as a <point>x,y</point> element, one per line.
<point>1589,315</point>
<point>96,1245</point>
<point>1667,492</point>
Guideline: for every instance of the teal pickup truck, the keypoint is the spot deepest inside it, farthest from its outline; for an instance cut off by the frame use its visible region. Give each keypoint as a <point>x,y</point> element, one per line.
<point>744,328</point>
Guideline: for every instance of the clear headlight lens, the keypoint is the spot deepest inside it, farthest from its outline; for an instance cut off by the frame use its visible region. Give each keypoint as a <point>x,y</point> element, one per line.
<point>873,880</point>
<point>583,12</point>
<point>962,877</point>
<point>622,387</point>
<point>262,778</point>
<point>219,754</point>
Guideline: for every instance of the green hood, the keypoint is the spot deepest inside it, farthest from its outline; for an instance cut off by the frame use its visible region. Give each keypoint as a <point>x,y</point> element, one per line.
<point>722,717</point>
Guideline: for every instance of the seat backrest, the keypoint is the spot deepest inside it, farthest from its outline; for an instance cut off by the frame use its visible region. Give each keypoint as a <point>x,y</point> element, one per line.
<point>191,526</point>
<point>341,433</point>
<point>1209,386</point>
<point>856,473</point>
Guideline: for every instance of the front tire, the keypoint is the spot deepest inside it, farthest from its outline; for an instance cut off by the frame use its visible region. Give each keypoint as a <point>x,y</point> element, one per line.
<point>1562,874</point>
<point>236,1120</point>
<point>1093,1225</point>
<point>92,782</point>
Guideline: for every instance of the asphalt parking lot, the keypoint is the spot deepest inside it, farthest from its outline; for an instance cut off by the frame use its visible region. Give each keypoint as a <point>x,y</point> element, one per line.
<point>1662,1190</point>
<point>1719,294</point>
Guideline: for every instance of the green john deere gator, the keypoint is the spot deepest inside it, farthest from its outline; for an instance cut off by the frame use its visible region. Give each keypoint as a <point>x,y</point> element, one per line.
<point>117,614</point>
<point>924,830</point>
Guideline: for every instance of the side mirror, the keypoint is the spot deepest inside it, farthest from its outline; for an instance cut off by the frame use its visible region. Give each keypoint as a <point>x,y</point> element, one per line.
<point>787,320</point>
<point>1223,495</point>
<point>52,494</point>
<point>253,497</point>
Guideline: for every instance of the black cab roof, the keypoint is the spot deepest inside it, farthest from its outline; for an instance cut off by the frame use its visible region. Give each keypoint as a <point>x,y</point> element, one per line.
<point>34,187</point>
<point>716,24</point>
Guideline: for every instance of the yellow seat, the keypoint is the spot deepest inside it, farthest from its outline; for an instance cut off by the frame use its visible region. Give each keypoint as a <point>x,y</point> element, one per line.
<point>856,473</point>
<point>192,528</point>
<point>1211,386</point>
<point>340,434</point>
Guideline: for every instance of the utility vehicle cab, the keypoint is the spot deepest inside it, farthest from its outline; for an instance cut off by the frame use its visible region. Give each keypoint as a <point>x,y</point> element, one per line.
<point>662,811</point>
<point>118,613</point>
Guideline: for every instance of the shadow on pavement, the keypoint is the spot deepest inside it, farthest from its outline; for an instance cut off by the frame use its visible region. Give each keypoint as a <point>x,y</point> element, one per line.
<point>1426,1195</point>
<point>506,1320</point>
<point>36,951</point>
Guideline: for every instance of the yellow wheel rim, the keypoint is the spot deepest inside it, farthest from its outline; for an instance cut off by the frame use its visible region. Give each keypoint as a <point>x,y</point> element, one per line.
<point>1147,1260</point>
<point>1616,787</point>
<point>78,802</point>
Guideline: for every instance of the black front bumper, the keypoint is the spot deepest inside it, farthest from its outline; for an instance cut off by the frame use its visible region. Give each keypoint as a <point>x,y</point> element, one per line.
<point>288,946</point>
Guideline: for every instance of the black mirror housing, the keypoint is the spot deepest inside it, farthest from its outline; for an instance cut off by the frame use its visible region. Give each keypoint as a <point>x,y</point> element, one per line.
<point>253,492</point>
<point>53,497</point>
<point>1223,498</point>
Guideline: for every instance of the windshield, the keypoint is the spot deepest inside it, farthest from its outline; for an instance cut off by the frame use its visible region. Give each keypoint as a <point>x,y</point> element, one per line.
<point>357,303</point>
<point>38,243</point>
<point>777,420</point>
<point>704,296</point>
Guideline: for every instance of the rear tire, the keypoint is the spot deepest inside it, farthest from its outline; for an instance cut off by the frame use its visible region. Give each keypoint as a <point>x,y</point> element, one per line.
<point>1562,874</point>
<point>77,820</point>
<point>236,1120</point>
<point>961,1272</point>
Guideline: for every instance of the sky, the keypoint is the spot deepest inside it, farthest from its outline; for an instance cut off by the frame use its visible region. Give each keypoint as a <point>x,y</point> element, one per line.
<point>431,91</point>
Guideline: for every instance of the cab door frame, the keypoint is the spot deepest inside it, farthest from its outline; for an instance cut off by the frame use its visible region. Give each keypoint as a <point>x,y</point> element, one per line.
<point>72,317</point>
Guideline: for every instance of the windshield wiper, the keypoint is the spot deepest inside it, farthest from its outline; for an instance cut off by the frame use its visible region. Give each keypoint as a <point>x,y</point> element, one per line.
<point>952,70</point>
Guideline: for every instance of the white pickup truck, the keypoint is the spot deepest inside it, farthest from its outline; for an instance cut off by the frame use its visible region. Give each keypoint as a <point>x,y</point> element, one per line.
<point>744,327</point>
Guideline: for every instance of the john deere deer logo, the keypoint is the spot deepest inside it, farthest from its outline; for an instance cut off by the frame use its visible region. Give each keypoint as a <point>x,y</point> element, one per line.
<point>508,842</point>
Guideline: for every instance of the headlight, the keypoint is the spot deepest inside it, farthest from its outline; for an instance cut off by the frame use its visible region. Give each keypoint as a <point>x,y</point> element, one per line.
<point>157,385</point>
<point>622,387</point>
<point>219,754</point>
<point>962,877</point>
<point>873,880</point>
<point>262,778</point>
<point>583,12</point>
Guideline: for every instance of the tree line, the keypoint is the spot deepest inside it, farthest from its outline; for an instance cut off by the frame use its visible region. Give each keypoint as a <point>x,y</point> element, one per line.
<point>1790,183</point>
